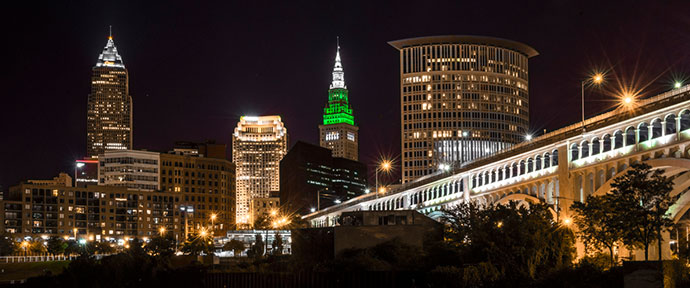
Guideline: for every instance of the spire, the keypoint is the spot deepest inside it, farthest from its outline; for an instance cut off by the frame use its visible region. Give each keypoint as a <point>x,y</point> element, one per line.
<point>338,74</point>
<point>109,57</point>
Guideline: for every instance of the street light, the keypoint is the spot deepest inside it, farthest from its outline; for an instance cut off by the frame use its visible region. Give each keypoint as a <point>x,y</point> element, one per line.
<point>385,166</point>
<point>213,218</point>
<point>528,137</point>
<point>677,85</point>
<point>596,79</point>
<point>25,244</point>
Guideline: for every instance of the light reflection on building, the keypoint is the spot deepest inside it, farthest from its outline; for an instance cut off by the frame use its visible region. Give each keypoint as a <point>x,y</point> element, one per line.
<point>258,145</point>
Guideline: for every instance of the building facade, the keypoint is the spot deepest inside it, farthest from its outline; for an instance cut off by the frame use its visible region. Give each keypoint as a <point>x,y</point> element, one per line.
<point>338,131</point>
<point>258,145</point>
<point>133,169</point>
<point>61,180</point>
<point>109,108</point>
<point>462,98</point>
<point>93,212</point>
<point>311,178</point>
<point>85,172</point>
<point>206,188</point>
<point>264,207</point>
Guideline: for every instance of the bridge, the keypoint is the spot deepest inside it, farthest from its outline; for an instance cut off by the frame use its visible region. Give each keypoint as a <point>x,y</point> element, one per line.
<point>557,168</point>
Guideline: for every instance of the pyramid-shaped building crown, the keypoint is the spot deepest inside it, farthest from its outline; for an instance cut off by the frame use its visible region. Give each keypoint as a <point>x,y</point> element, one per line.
<point>109,57</point>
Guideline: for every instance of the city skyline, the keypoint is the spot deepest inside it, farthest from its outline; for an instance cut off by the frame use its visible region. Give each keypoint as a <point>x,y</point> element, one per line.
<point>215,107</point>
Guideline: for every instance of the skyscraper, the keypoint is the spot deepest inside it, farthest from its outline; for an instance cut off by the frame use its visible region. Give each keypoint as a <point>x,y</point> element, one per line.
<point>109,108</point>
<point>258,145</point>
<point>338,131</point>
<point>463,97</point>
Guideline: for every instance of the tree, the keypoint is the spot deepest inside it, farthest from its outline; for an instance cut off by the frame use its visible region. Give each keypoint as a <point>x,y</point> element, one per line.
<point>641,197</point>
<point>197,244</point>
<point>278,244</point>
<point>596,221</point>
<point>56,245</point>
<point>102,247</point>
<point>257,249</point>
<point>7,245</point>
<point>521,242</point>
<point>262,222</point>
<point>235,246</point>
<point>37,247</point>
<point>72,248</point>
<point>163,246</point>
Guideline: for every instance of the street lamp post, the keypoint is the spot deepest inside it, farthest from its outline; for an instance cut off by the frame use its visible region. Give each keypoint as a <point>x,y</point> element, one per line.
<point>213,227</point>
<point>596,79</point>
<point>385,166</point>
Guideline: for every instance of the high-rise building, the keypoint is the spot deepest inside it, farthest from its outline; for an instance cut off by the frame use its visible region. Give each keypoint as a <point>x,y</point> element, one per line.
<point>206,187</point>
<point>338,131</point>
<point>310,178</point>
<point>109,108</point>
<point>134,169</point>
<point>258,145</point>
<point>463,97</point>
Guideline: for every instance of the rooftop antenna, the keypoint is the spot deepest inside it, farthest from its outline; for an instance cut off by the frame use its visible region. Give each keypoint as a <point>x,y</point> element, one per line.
<point>111,32</point>
<point>337,41</point>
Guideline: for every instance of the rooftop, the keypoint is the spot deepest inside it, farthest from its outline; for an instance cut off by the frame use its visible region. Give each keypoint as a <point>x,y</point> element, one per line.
<point>466,39</point>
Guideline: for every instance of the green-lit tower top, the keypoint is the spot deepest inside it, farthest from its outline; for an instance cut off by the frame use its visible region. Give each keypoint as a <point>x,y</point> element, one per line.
<point>338,109</point>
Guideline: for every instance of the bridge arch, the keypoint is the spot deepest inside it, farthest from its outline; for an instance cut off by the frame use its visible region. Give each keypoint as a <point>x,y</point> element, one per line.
<point>661,163</point>
<point>684,116</point>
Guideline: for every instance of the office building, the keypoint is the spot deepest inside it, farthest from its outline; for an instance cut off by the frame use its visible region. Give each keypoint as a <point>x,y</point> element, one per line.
<point>206,187</point>
<point>463,97</point>
<point>264,207</point>
<point>109,108</point>
<point>338,131</point>
<point>311,178</point>
<point>208,149</point>
<point>61,180</point>
<point>258,145</point>
<point>133,169</point>
<point>85,172</point>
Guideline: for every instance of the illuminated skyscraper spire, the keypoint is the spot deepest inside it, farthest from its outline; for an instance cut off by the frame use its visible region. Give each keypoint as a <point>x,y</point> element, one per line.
<point>109,57</point>
<point>338,131</point>
<point>109,107</point>
<point>338,74</point>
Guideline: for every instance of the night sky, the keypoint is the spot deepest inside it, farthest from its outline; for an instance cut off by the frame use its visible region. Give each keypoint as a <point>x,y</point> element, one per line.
<point>195,69</point>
